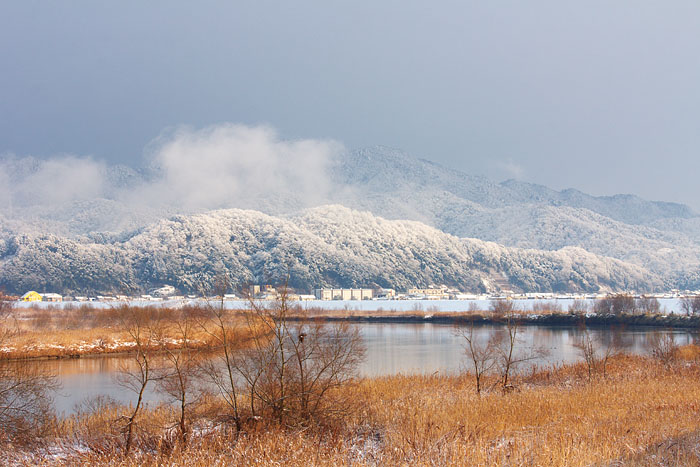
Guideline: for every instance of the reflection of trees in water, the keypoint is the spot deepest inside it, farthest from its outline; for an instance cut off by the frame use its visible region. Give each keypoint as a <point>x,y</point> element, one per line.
<point>76,366</point>
<point>616,337</point>
<point>680,337</point>
<point>430,337</point>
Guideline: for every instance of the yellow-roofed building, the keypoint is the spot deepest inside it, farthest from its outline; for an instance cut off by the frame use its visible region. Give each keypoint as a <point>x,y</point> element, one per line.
<point>31,297</point>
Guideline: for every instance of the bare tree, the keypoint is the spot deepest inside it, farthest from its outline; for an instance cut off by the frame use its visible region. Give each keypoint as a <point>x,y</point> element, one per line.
<point>139,325</point>
<point>507,340</point>
<point>252,361</point>
<point>25,399</point>
<point>294,365</point>
<point>647,305</point>
<point>325,357</point>
<point>6,304</point>
<point>502,307</point>
<point>617,305</point>
<point>594,353</point>
<point>6,309</point>
<point>510,355</point>
<point>273,385</point>
<point>691,305</point>
<point>178,377</point>
<point>663,346</point>
<point>223,330</point>
<point>483,356</point>
<point>25,390</point>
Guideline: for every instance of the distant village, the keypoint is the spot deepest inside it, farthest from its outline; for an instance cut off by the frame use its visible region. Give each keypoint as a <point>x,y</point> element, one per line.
<point>269,292</point>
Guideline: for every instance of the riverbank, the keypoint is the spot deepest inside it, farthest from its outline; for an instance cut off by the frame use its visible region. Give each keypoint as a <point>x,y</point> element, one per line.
<point>644,411</point>
<point>539,318</point>
<point>39,333</point>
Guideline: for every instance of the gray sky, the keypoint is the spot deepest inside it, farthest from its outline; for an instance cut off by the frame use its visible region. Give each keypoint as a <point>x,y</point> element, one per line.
<point>597,95</point>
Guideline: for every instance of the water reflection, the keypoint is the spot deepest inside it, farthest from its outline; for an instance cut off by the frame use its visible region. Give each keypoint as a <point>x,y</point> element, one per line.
<point>428,347</point>
<point>391,348</point>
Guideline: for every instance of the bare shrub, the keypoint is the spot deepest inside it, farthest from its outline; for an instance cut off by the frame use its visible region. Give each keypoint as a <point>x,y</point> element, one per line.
<point>647,305</point>
<point>616,305</point>
<point>110,316</point>
<point>663,347</point>
<point>483,356</point>
<point>502,307</point>
<point>623,304</point>
<point>42,319</point>
<point>25,400</point>
<point>578,307</point>
<point>92,424</point>
<point>691,305</point>
<point>293,367</point>
<point>25,391</point>
<point>595,354</point>
<point>6,309</point>
<point>325,357</point>
<point>6,304</point>
<point>510,353</point>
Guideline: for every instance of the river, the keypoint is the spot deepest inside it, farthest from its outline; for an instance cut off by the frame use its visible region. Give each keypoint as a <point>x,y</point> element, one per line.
<point>391,349</point>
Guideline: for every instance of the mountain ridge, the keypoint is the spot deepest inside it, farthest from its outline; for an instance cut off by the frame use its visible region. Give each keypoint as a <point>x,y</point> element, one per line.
<point>391,185</point>
<point>325,246</point>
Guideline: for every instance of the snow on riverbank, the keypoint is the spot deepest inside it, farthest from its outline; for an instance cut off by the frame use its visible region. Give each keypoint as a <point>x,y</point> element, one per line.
<point>668,305</point>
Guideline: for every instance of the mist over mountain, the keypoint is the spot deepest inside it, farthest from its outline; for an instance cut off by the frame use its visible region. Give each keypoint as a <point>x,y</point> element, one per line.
<point>101,221</point>
<point>388,171</point>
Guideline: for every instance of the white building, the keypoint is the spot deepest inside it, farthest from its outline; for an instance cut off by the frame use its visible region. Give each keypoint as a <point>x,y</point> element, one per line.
<point>432,293</point>
<point>387,294</point>
<point>51,297</point>
<point>344,294</point>
<point>165,291</point>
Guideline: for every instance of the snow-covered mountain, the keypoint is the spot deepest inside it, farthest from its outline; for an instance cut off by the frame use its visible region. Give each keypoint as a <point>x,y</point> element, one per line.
<point>325,246</point>
<point>656,244</point>
<point>660,237</point>
<point>388,171</point>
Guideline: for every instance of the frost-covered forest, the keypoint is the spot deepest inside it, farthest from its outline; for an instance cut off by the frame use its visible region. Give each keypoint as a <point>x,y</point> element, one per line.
<point>383,219</point>
<point>325,246</point>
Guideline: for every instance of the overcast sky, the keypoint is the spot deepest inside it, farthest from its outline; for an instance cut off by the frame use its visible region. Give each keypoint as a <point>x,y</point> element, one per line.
<point>597,95</point>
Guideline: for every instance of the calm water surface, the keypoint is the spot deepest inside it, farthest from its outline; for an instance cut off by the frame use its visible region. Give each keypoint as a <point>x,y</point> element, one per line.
<point>391,349</point>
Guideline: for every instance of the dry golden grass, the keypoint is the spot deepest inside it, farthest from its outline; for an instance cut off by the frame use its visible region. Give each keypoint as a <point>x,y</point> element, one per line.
<point>689,352</point>
<point>641,412</point>
<point>560,422</point>
<point>59,332</point>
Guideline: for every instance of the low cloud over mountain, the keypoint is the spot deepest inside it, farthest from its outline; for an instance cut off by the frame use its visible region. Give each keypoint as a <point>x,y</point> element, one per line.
<point>97,212</point>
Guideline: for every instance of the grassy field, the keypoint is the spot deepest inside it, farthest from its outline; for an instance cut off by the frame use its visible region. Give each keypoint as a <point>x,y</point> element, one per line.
<point>85,330</point>
<point>638,411</point>
<point>644,412</point>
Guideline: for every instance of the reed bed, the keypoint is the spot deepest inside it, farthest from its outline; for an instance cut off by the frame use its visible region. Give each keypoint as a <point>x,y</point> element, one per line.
<point>644,412</point>
<point>85,330</point>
